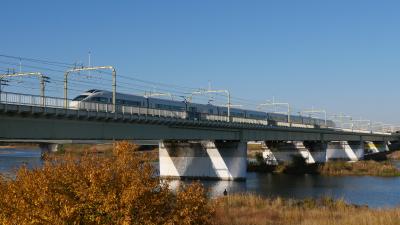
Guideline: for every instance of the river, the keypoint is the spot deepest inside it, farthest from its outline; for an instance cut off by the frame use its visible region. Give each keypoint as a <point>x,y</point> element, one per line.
<point>375,192</point>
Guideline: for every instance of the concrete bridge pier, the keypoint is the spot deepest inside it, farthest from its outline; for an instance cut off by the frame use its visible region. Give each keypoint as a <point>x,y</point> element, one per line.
<point>282,151</point>
<point>345,150</point>
<point>268,155</point>
<point>315,151</point>
<point>393,145</point>
<point>220,160</point>
<point>312,152</point>
<point>372,147</point>
<point>48,148</point>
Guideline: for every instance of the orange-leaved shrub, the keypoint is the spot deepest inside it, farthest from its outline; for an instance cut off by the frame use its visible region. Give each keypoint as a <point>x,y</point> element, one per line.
<point>97,189</point>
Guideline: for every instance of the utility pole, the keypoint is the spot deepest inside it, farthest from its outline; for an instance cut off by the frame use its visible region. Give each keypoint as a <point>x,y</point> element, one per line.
<point>43,80</point>
<point>89,63</point>
<point>114,81</point>
<point>3,82</point>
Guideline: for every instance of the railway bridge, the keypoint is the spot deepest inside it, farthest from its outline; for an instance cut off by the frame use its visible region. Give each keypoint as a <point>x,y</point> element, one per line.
<point>209,148</point>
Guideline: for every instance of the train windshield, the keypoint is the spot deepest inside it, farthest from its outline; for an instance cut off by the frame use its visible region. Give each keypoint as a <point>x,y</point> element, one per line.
<point>80,98</point>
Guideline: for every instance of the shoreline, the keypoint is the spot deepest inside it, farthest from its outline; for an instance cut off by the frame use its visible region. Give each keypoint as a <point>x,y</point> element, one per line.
<point>18,147</point>
<point>335,168</point>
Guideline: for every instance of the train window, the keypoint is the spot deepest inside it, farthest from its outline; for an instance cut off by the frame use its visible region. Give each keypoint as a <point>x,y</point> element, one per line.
<point>237,114</point>
<point>168,107</point>
<point>80,98</point>
<point>131,103</point>
<point>99,99</point>
<point>127,102</point>
<point>211,111</point>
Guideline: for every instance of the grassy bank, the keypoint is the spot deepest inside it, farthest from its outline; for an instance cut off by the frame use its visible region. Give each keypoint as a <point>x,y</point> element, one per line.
<point>99,149</point>
<point>335,168</point>
<point>255,210</point>
<point>80,149</point>
<point>361,168</point>
<point>394,155</point>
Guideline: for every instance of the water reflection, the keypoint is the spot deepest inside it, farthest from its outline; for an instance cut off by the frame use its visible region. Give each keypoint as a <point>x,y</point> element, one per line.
<point>371,191</point>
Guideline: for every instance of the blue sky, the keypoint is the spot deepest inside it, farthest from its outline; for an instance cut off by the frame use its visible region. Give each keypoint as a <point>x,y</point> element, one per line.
<point>341,55</point>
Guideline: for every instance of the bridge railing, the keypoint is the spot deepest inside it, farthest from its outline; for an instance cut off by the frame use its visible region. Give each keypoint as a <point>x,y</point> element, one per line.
<point>31,100</point>
<point>54,102</point>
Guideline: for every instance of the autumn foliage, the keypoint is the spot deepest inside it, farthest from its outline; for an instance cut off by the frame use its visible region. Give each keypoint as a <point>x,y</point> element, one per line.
<point>94,189</point>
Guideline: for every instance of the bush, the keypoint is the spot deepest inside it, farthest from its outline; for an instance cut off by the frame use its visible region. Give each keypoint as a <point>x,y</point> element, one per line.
<point>93,189</point>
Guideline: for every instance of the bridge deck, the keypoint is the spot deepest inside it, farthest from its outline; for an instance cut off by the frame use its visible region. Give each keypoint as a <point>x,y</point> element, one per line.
<point>50,123</point>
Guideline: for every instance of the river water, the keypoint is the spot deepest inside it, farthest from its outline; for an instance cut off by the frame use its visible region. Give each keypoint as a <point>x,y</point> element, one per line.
<point>12,159</point>
<point>372,191</point>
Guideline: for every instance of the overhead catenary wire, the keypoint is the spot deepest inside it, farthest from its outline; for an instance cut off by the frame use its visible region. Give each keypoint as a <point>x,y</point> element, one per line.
<point>172,88</point>
<point>126,84</point>
<point>130,85</point>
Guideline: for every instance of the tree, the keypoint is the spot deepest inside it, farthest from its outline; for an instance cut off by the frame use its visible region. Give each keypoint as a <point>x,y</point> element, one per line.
<point>98,189</point>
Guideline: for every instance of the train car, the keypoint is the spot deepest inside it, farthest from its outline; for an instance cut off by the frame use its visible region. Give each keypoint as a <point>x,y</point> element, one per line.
<point>105,97</point>
<point>277,117</point>
<point>307,120</point>
<point>252,114</point>
<point>296,119</point>
<point>165,104</point>
<point>194,111</point>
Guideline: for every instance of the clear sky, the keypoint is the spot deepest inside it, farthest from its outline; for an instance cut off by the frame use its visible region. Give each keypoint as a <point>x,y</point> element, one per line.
<point>342,55</point>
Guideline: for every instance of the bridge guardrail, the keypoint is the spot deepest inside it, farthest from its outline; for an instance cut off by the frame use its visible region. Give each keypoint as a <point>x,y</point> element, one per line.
<point>32,100</point>
<point>54,102</point>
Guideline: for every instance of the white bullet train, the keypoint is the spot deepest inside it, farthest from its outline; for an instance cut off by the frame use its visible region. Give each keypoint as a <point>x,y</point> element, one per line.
<point>196,111</point>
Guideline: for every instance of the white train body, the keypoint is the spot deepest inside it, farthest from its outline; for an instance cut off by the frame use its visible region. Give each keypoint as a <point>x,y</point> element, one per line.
<point>92,99</point>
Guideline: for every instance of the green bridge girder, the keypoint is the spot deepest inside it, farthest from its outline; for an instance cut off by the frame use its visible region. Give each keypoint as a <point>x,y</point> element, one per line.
<point>19,122</point>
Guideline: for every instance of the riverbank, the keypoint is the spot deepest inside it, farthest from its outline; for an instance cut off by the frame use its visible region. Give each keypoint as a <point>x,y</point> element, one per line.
<point>255,210</point>
<point>18,146</point>
<point>335,168</point>
<point>395,155</point>
<point>80,149</point>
